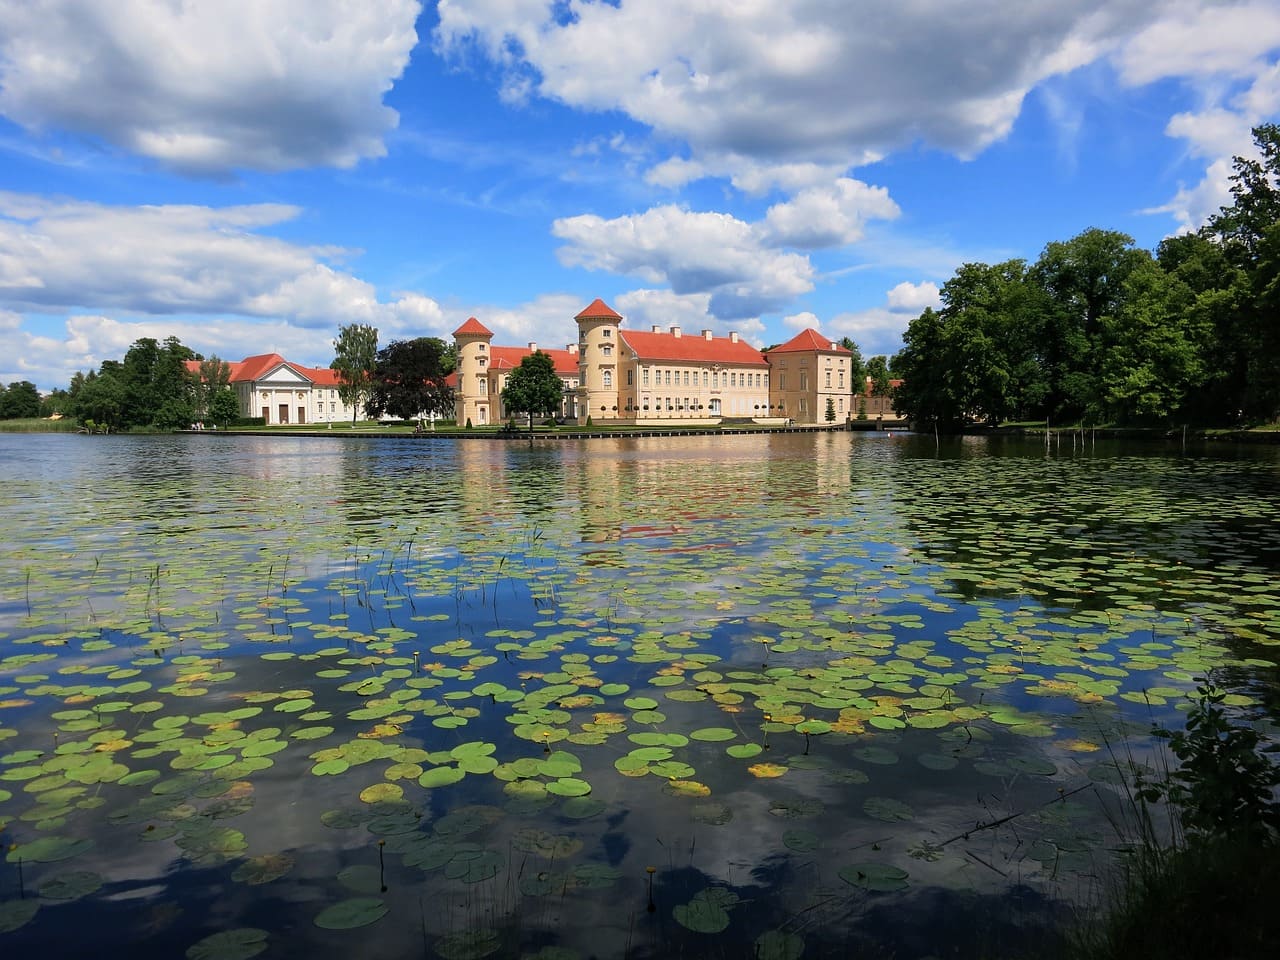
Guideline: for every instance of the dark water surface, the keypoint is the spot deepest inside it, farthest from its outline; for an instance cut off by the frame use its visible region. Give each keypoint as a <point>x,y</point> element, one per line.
<point>739,696</point>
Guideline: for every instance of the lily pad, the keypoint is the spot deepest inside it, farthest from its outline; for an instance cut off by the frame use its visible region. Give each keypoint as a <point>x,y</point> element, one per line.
<point>875,877</point>
<point>351,913</point>
<point>239,944</point>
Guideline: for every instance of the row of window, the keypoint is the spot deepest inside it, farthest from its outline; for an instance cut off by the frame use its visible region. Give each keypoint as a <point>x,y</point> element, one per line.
<point>486,386</point>
<point>710,378</point>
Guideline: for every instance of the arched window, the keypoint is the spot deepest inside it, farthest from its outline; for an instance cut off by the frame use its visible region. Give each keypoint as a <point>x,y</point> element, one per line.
<point>608,378</point>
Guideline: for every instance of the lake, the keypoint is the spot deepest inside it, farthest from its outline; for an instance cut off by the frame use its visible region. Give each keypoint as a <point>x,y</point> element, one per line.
<point>829,694</point>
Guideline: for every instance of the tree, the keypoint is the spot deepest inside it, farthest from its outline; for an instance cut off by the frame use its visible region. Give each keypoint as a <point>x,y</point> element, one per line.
<point>1084,278</point>
<point>1153,349</point>
<point>224,407</point>
<point>101,397</point>
<point>57,402</point>
<point>1248,231</point>
<point>831,410</point>
<point>409,380</point>
<point>925,396</point>
<point>355,355</point>
<point>158,389</point>
<point>857,369</point>
<point>877,368</point>
<point>21,399</point>
<point>534,387</point>
<point>1255,185</point>
<point>975,359</point>
<point>214,377</point>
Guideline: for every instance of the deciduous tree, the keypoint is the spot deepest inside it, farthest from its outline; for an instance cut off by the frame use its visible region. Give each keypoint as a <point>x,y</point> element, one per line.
<point>355,355</point>
<point>409,379</point>
<point>20,399</point>
<point>534,387</point>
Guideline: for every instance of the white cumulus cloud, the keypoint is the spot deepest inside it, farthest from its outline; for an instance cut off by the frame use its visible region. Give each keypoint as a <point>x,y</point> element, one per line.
<point>828,216</point>
<point>207,86</point>
<point>181,259</point>
<point>712,253</point>
<point>914,297</point>
<point>755,86</point>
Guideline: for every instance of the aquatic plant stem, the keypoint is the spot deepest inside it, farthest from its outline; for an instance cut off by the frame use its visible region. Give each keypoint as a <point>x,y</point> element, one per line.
<point>990,824</point>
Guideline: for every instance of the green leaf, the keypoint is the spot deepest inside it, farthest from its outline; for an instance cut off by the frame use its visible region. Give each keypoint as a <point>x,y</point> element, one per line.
<point>351,913</point>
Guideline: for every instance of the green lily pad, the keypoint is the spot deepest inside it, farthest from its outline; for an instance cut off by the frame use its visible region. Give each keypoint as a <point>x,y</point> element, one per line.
<point>875,877</point>
<point>469,945</point>
<point>887,809</point>
<point>351,913</point>
<point>713,734</point>
<point>569,787</point>
<point>17,913</point>
<point>71,886</point>
<point>239,944</point>
<point>48,850</point>
<point>702,916</point>
<point>440,776</point>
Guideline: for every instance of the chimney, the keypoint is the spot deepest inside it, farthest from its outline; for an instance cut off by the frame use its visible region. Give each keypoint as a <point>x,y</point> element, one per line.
<point>656,328</point>
<point>733,336</point>
<point>706,334</point>
<point>533,346</point>
<point>675,331</point>
<point>571,347</point>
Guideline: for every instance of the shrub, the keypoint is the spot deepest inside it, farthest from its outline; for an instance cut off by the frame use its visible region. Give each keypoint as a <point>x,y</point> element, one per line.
<point>1223,784</point>
<point>1211,893</point>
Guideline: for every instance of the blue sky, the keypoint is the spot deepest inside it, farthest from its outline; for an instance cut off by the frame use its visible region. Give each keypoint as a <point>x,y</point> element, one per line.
<point>250,175</point>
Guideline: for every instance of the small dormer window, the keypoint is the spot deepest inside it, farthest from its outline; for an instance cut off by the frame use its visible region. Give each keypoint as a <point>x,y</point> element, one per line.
<point>606,333</point>
<point>481,347</point>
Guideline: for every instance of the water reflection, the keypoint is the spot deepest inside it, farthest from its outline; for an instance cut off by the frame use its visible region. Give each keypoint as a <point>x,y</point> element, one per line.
<point>377,658</point>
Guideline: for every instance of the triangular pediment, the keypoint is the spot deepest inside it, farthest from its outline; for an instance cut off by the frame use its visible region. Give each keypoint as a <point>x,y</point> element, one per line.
<point>283,373</point>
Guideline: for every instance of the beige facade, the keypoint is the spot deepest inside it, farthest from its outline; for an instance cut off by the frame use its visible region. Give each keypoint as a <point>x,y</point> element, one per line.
<point>482,374</point>
<point>810,370</point>
<point>661,376</point>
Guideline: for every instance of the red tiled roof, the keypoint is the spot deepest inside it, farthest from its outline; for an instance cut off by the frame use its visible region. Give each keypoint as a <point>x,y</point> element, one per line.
<point>508,358</point>
<point>255,368</point>
<point>691,349</point>
<point>320,376</point>
<point>598,309</point>
<point>471,328</point>
<point>807,341</point>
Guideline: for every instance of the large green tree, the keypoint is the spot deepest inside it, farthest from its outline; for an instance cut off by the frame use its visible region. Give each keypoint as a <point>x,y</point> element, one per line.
<point>1248,231</point>
<point>214,377</point>
<point>534,387</point>
<point>1084,278</point>
<point>1152,350</point>
<point>877,369</point>
<point>19,399</point>
<point>409,379</point>
<point>159,390</point>
<point>223,407</point>
<point>975,360</point>
<point>100,398</point>
<point>355,356</point>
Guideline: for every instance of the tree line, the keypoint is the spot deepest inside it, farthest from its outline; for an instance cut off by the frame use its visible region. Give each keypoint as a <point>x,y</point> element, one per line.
<point>1099,331</point>
<point>150,388</point>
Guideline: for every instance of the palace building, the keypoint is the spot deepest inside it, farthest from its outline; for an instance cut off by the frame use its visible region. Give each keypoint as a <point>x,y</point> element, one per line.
<point>659,376</point>
<point>282,392</point>
<point>612,374</point>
